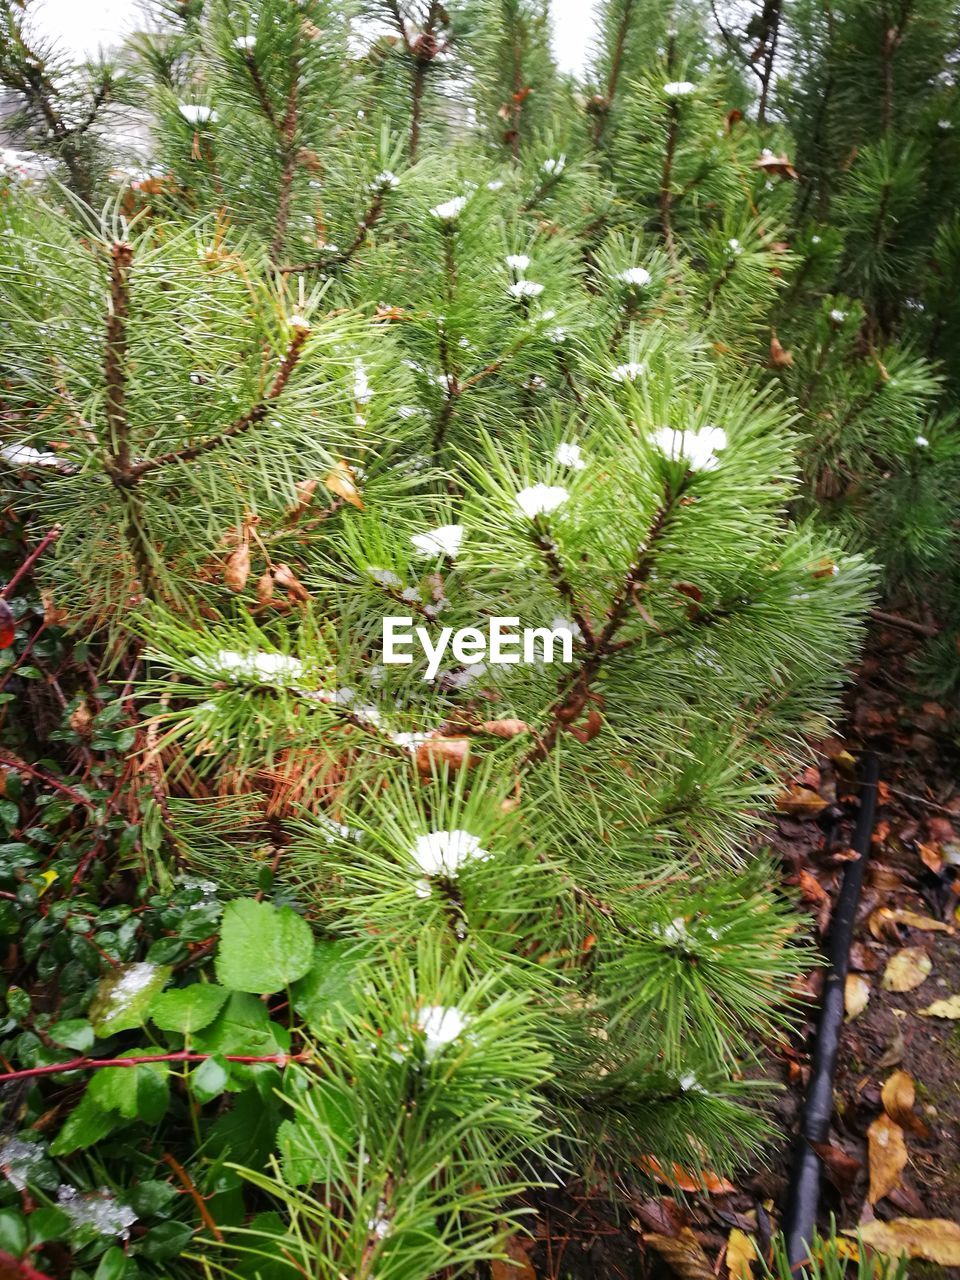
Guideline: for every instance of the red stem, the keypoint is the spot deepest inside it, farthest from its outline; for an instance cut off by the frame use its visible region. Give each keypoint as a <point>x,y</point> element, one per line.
<point>31,560</point>
<point>94,1064</point>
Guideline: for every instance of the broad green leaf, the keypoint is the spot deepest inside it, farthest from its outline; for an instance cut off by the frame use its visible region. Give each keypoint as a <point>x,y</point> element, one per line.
<point>113,1265</point>
<point>47,1224</point>
<point>321,996</point>
<point>13,1232</point>
<point>86,1124</point>
<point>243,1026</point>
<point>262,948</point>
<point>245,1132</point>
<point>74,1033</point>
<point>115,1089</point>
<point>189,1008</point>
<point>268,1232</point>
<point>209,1080</point>
<point>124,996</point>
<point>166,1240</point>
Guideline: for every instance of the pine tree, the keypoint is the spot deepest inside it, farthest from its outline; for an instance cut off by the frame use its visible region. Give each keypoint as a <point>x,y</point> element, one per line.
<point>870,96</point>
<point>58,106</point>
<point>340,368</point>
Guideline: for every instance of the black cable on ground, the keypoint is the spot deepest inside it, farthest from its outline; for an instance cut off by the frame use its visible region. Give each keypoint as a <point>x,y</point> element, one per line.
<point>803,1193</point>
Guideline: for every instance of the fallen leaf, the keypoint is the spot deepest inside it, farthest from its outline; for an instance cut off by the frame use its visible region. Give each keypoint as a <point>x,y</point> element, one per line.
<point>907,970</point>
<point>931,857</point>
<point>265,588</point>
<point>81,719</point>
<point>935,1239</point>
<point>781,165</point>
<point>836,1248</point>
<point>856,993</point>
<point>917,921</point>
<point>304,489</point>
<point>899,1094</point>
<point>53,615</point>
<point>705,1180</point>
<point>842,1168</point>
<point>949,1008</point>
<point>893,1053</point>
<point>516,1266</point>
<point>801,802</point>
<point>683,1253</point>
<point>343,483</point>
<point>741,1252</point>
<point>883,925</point>
<point>780,358</point>
<point>863,958</point>
<point>887,1154</point>
<point>662,1215</point>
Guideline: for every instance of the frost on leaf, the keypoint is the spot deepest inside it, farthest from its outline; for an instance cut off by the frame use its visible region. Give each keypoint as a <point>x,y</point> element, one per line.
<point>124,996</point>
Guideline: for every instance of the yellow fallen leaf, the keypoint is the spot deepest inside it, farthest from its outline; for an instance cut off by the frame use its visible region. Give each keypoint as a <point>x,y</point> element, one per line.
<point>741,1252</point>
<point>802,802</point>
<point>888,1157</point>
<point>343,483</point>
<point>902,916</point>
<point>856,993</point>
<point>949,1008</point>
<point>48,877</point>
<point>683,1253</point>
<point>935,1239</point>
<point>898,1095</point>
<point>906,970</point>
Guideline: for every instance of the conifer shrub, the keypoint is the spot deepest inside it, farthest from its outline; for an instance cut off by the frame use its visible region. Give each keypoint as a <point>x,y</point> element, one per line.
<point>384,948</point>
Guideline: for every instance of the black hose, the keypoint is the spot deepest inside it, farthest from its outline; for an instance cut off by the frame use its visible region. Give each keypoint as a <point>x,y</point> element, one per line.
<point>803,1193</point>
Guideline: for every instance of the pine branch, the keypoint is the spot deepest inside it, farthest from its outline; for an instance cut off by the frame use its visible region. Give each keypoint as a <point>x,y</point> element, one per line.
<point>364,226</point>
<point>562,583</point>
<point>288,136</point>
<point>247,420</point>
<point>613,79</point>
<point>666,177</point>
<point>260,89</point>
<point>575,688</point>
<point>115,361</point>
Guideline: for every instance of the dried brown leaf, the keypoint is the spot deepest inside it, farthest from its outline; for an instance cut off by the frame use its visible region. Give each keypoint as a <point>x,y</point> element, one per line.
<point>683,1253</point>
<point>236,568</point>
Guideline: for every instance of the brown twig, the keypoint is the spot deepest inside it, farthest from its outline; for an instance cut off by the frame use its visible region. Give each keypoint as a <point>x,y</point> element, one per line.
<point>188,1186</point>
<point>14,762</point>
<point>46,541</point>
<point>905,624</point>
<point>372,216</point>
